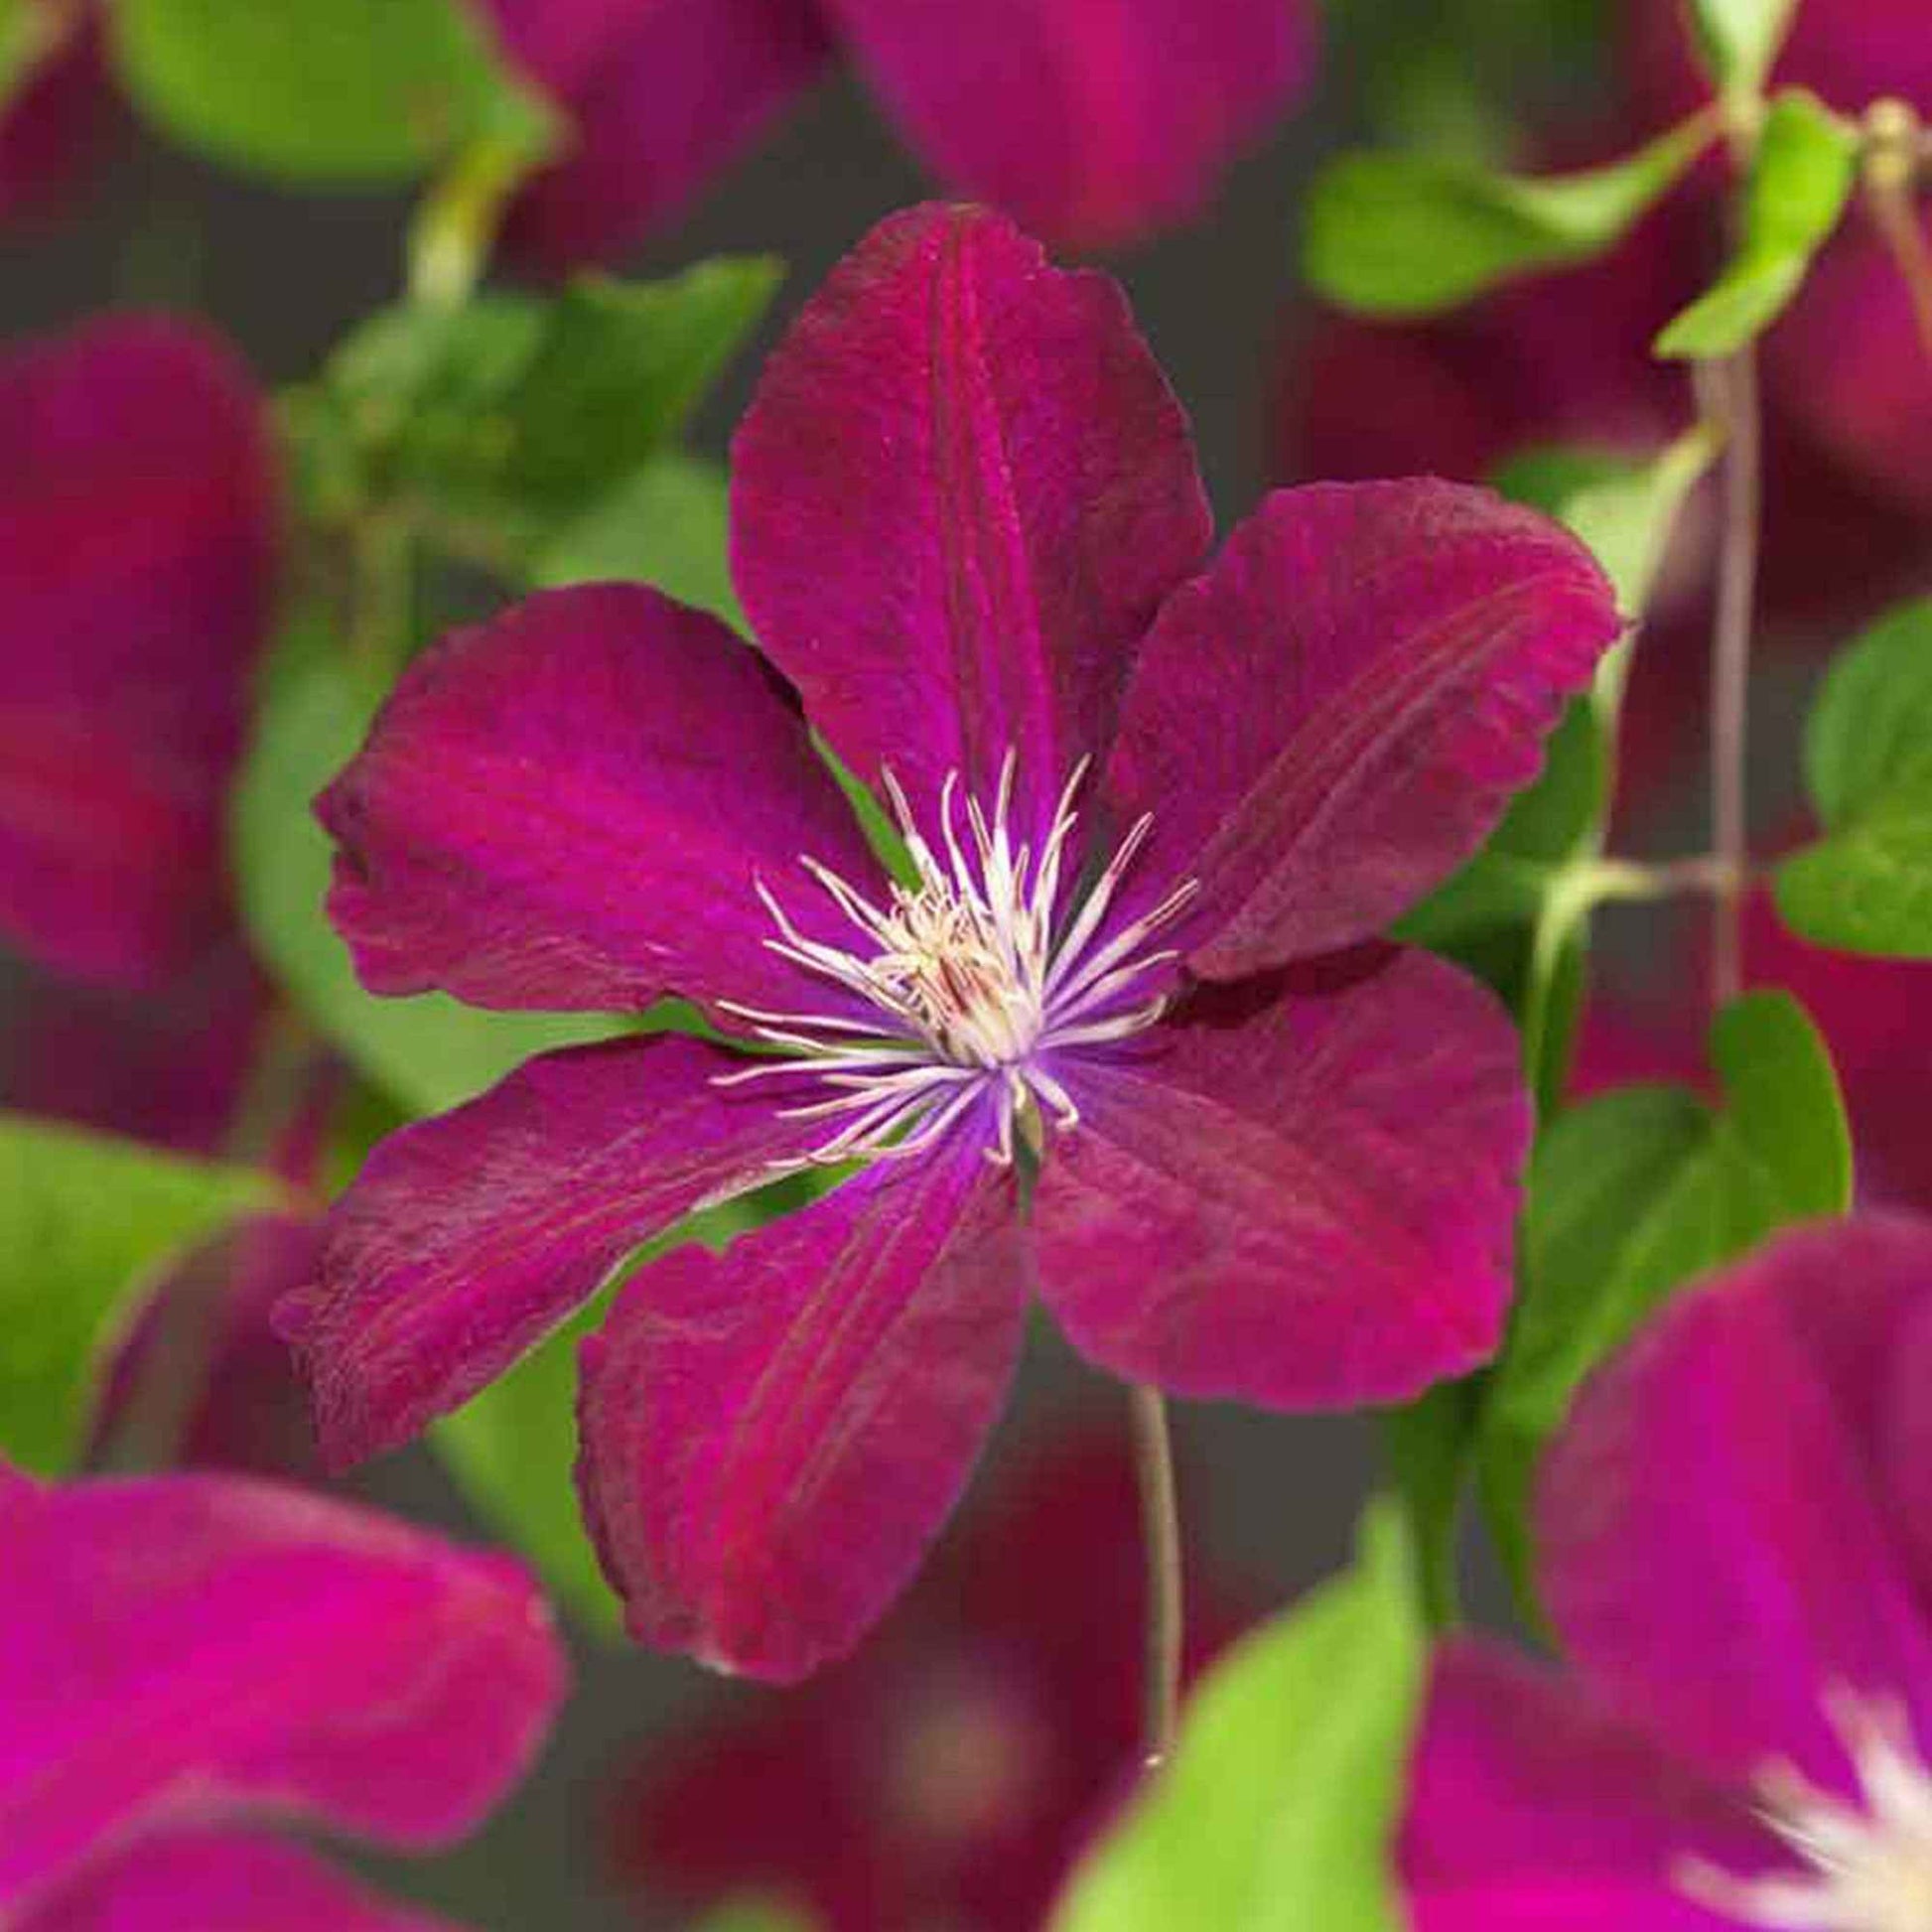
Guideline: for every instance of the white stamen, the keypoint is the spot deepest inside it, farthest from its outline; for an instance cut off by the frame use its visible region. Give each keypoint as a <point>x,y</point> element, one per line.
<point>968,983</point>
<point>1870,1861</point>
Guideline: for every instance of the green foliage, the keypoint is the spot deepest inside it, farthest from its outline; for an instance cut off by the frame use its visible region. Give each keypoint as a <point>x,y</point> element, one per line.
<point>1739,40</point>
<point>754,1915</point>
<point>24,36</point>
<point>669,526</point>
<point>1429,1444</point>
<point>426,1052</point>
<point>1802,176</point>
<point>501,423</point>
<point>343,91</point>
<point>1634,1193</point>
<point>1867,885</point>
<point>1276,1812</point>
<point>88,1223</point>
<point>1408,234</point>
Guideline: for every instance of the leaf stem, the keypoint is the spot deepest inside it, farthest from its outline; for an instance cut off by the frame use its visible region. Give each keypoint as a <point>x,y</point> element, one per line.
<point>1733,391</point>
<point>1161,1535</point>
<point>1894,139</point>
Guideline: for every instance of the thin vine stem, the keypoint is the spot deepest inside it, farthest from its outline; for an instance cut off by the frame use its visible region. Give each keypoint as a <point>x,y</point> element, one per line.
<point>1893,137</point>
<point>1736,384</point>
<point>1161,1536</point>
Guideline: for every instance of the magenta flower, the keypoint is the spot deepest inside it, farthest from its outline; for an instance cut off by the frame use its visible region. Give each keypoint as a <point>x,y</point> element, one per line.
<point>188,1657</point>
<point>52,127</point>
<point>1092,121</point>
<point>137,537</point>
<point>950,1772</point>
<point>1154,820</point>
<point>1736,1553</point>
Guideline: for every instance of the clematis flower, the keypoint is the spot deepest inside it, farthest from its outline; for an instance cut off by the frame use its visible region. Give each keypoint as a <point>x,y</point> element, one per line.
<point>1736,1553</point>
<point>190,1657</point>
<point>52,123</point>
<point>1092,121</point>
<point>949,1773</point>
<point>1152,821</point>
<point>137,537</point>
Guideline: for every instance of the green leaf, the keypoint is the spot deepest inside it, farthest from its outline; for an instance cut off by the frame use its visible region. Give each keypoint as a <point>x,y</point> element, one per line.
<point>1741,39</point>
<point>1802,176</point>
<point>1406,234</point>
<point>28,33</point>
<point>1866,887</point>
<point>1276,1812</point>
<point>348,92</point>
<point>756,1915</point>
<point>501,421</point>
<point>87,1224</point>
<point>667,525</point>
<point>1633,1194</point>
<point>426,1052</point>
<point>1429,1443</point>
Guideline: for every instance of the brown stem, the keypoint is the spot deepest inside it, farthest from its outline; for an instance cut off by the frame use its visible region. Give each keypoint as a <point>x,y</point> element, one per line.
<point>1160,1533</point>
<point>1893,142</point>
<point>1730,663</point>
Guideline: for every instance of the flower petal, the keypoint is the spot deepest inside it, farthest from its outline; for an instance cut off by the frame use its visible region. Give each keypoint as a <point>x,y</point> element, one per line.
<point>1529,1809</point>
<point>466,1238</point>
<point>221,1881</point>
<point>52,128</point>
<point>568,809</point>
<point>772,1435</point>
<point>216,1646</point>
<point>1336,716</point>
<point>659,98</point>
<point>1093,121</point>
<point>961,494</point>
<point>136,529</point>
<point>1712,1449</point>
<point>1299,1194</point>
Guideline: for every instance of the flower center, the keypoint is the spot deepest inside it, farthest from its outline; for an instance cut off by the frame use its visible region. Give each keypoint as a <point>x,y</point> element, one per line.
<point>970,978</point>
<point>1871,1861</point>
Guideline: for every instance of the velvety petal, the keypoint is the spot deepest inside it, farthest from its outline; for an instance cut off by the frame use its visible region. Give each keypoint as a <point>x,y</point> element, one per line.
<point>1336,716</point>
<point>772,1435</point>
<point>1531,1809</point>
<point>1713,1450</point>
<point>136,524</point>
<point>1906,1429</point>
<point>466,1238</point>
<point>659,95</point>
<point>1300,1193</point>
<point>220,1881</point>
<point>958,499</point>
<point>189,1648</point>
<point>1092,121</point>
<point>570,806</point>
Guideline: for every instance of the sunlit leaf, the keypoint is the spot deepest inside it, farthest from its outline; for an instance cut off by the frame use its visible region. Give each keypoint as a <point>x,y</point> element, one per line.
<point>1867,885</point>
<point>1276,1812</point>
<point>1409,234</point>
<point>1805,169</point>
<point>88,1223</point>
<point>350,91</point>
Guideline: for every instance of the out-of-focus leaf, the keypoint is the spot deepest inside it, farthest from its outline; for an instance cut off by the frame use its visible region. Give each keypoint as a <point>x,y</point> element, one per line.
<point>351,91</point>
<point>756,1915</point>
<point>1803,174</point>
<point>26,32</point>
<point>666,525</point>
<point>1410,234</point>
<point>1739,40</point>
<point>1634,1193</point>
<point>89,1222</point>
<point>1867,885</point>
<point>426,1052</point>
<point>503,420</point>
<point>1276,1812</point>
<point>1429,1443</point>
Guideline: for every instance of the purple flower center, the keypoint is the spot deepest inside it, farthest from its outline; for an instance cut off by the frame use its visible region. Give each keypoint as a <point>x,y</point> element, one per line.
<point>1870,1862</point>
<point>977,974</point>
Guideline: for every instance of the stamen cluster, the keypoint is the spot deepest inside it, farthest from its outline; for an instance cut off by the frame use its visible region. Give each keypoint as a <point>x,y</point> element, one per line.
<point>976,973</point>
<point>1870,1862</point>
